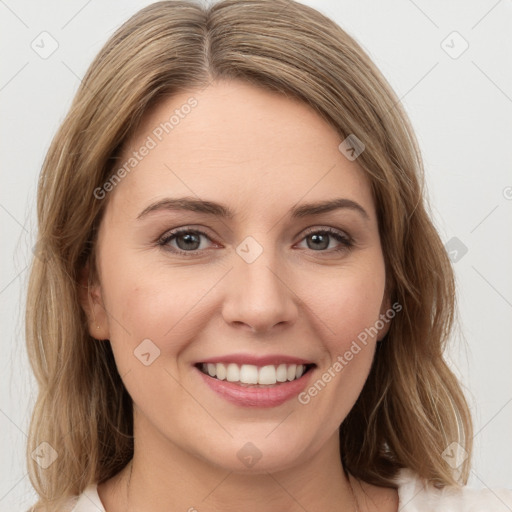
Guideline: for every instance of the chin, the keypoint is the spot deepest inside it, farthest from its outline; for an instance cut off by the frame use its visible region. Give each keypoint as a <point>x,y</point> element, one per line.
<point>255,454</point>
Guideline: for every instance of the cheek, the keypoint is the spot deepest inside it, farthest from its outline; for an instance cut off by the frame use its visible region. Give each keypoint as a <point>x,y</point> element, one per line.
<point>166,307</point>
<point>349,303</point>
<point>151,319</point>
<point>349,312</point>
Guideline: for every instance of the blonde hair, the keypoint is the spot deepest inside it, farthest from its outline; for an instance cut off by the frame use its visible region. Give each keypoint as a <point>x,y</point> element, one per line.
<point>412,406</point>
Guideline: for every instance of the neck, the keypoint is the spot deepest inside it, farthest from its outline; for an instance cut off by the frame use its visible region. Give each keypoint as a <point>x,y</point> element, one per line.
<point>159,476</point>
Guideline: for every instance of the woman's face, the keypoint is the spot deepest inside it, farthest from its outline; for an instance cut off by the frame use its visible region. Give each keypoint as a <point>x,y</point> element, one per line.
<point>276,284</point>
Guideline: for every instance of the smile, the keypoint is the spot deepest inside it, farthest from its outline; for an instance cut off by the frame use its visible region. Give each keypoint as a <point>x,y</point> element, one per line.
<point>260,385</point>
<point>252,375</point>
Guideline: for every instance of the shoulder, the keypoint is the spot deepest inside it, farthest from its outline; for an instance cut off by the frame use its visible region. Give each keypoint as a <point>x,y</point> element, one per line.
<point>88,501</point>
<point>415,495</point>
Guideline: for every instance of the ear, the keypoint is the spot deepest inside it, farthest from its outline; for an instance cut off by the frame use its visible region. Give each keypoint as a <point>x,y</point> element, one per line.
<point>92,303</point>
<point>384,316</point>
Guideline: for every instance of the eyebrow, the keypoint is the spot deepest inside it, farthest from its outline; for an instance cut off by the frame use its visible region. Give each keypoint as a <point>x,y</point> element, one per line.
<point>220,210</point>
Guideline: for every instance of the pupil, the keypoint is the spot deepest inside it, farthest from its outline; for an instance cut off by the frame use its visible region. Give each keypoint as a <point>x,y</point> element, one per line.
<point>320,238</point>
<point>189,238</point>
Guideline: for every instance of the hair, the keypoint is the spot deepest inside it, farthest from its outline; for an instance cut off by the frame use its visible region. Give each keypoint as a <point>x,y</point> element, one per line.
<point>412,406</point>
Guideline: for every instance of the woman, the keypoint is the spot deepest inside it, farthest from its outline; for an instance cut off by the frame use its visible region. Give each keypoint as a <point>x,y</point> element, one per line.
<point>252,300</point>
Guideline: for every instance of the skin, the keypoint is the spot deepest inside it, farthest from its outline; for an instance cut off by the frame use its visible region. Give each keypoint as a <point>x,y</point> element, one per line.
<point>260,154</point>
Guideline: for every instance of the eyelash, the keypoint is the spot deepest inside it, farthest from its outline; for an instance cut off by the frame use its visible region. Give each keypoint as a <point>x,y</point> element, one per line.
<point>346,242</point>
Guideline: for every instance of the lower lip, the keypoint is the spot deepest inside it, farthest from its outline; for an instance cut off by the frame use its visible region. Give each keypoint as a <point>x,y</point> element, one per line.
<point>270,396</point>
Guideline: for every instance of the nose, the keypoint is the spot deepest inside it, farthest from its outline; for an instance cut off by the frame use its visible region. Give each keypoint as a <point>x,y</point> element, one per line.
<point>259,296</point>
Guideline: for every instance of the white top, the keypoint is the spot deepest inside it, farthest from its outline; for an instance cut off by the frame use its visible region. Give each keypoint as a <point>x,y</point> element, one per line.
<point>413,496</point>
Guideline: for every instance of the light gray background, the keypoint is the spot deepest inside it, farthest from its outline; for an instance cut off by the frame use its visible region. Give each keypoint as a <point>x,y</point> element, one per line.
<point>461,109</point>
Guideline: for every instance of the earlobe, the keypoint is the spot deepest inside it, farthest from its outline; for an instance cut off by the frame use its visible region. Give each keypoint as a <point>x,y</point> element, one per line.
<point>384,321</point>
<point>92,303</point>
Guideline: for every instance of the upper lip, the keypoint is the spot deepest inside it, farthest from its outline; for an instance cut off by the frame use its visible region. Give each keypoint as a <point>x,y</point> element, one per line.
<point>270,359</point>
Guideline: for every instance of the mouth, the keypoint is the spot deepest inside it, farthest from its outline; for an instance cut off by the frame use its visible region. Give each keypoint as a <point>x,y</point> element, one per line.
<point>248,375</point>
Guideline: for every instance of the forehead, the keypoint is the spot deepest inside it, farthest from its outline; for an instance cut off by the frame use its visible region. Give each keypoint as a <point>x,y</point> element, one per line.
<point>241,145</point>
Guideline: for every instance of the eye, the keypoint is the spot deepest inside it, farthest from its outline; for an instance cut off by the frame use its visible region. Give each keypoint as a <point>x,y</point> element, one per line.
<point>320,240</point>
<point>187,240</point>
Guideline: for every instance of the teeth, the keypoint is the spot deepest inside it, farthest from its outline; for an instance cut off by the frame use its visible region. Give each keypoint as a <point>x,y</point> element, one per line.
<point>267,375</point>
<point>281,373</point>
<point>220,371</point>
<point>251,374</point>
<point>232,373</point>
